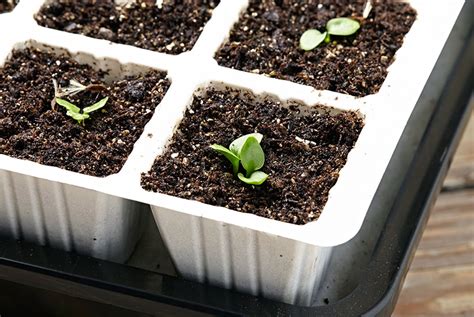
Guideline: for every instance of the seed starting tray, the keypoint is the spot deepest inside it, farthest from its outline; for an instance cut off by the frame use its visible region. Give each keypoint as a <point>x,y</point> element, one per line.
<point>418,168</point>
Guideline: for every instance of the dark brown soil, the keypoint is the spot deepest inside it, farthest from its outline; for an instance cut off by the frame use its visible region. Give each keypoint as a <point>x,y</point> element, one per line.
<point>31,130</point>
<point>7,5</point>
<point>266,41</point>
<point>172,29</point>
<point>301,174</point>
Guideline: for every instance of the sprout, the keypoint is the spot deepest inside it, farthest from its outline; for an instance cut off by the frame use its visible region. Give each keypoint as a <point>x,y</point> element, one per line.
<point>339,26</point>
<point>74,88</point>
<point>245,151</point>
<point>75,112</point>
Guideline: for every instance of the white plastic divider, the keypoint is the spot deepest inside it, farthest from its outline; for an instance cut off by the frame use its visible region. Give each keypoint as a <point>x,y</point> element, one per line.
<point>252,254</point>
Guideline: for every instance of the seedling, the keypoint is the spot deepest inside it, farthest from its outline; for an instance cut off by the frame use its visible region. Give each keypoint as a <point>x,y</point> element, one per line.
<point>312,38</point>
<point>74,88</point>
<point>245,151</point>
<point>75,112</point>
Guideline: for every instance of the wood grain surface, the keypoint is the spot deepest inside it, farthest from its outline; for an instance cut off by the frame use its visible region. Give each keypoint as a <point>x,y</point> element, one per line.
<point>441,278</point>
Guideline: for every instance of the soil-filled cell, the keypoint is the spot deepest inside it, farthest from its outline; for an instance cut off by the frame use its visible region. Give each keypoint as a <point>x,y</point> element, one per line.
<point>35,126</point>
<point>171,27</point>
<point>304,147</point>
<point>266,40</point>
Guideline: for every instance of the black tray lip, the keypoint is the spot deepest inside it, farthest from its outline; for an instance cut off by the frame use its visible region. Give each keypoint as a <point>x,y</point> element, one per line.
<point>378,292</point>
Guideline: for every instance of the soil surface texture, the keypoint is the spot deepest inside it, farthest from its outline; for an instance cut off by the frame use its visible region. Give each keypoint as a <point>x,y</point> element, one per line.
<point>7,5</point>
<point>266,41</point>
<point>30,129</point>
<point>173,28</point>
<point>304,152</point>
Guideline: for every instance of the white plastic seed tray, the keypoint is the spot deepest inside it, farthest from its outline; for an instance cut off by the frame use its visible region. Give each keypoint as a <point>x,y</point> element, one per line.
<point>55,207</point>
<point>260,256</point>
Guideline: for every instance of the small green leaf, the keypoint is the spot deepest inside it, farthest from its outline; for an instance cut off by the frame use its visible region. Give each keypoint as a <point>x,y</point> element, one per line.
<point>79,117</point>
<point>257,178</point>
<point>69,106</point>
<point>236,146</point>
<point>96,106</point>
<point>229,155</point>
<point>342,26</point>
<point>252,155</point>
<point>311,39</point>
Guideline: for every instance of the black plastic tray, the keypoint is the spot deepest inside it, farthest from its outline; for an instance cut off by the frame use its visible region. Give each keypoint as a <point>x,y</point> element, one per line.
<point>59,280</point>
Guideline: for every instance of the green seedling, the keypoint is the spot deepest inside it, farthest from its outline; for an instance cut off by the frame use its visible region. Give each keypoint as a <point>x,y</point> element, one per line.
<point>245,151</point>
<point>75,112</point>
<point>312,38</point>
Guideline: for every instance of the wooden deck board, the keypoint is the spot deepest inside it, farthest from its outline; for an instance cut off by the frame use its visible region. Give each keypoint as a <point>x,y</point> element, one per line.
<point>441,278</point>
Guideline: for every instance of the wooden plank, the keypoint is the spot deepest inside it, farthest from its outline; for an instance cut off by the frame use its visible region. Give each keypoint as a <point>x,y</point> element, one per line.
<point>443,292</point>
<point>441,279</point>
<point>449,237</point>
